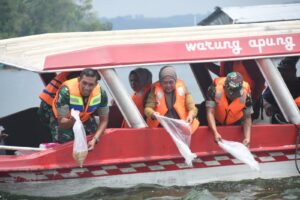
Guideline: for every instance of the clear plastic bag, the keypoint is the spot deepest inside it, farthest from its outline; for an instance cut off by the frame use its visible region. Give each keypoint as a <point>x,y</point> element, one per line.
<point>180,132</point>
<point>80,148</point>
<point>239,151</point>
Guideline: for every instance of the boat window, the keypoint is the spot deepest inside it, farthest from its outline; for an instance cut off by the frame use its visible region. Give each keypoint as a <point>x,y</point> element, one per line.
<point>273,106</point>
<point>183,72</point>
<point>276,61</point>
<point>19,90</point>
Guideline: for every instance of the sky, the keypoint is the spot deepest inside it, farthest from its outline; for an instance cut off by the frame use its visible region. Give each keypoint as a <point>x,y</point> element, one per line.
<point>166,8</point>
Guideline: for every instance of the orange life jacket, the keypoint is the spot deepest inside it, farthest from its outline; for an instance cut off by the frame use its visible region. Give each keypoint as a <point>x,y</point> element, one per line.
<point>250,72</point>
<point>297,101</point>
<point>50,90</point>
<point>229,113</point>
<point>179,104</point>
<point>138,99</point>
<point>238,67</point>
<point>76,100</point>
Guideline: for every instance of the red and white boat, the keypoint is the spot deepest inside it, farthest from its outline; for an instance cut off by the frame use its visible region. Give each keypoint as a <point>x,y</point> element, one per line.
<point>141,155</point>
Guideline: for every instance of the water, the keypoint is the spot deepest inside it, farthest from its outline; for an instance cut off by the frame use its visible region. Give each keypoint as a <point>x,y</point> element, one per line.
<point>287,188</point>
<point>20,89</point>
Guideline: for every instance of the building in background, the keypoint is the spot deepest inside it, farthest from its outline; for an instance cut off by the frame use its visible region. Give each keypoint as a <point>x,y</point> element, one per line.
<point>250,14</point>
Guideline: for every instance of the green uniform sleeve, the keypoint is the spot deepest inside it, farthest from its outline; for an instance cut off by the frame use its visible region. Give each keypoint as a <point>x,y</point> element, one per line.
<point>210,102</point>
<point>249,106</point>
<point>103,109</point>
<point>104,99</point>
<point>62,104</point>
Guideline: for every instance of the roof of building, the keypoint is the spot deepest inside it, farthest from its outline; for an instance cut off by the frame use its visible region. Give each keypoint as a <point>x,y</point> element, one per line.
<point>257,13</point>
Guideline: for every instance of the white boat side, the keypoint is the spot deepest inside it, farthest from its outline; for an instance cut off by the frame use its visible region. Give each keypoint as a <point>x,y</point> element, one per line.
<point>275,165</point>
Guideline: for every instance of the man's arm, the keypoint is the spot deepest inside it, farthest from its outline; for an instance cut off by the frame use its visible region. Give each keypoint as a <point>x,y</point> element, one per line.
<point>103,113</point>
<point>248,111</point>
<point>247,130</point>
<point>65,120</point>
<point>210,112</point>
<point>103,121</point>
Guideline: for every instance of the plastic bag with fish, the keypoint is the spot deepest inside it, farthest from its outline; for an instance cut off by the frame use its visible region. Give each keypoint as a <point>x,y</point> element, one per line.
<point>80,148</point>
<point>239,151</point>
<point>180,132</point>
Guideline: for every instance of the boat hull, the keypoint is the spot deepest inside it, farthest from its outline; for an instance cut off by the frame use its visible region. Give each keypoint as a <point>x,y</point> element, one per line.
<point>63,182</point>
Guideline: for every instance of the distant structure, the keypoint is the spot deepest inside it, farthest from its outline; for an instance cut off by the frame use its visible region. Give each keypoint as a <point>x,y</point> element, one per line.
<point>251,14</point>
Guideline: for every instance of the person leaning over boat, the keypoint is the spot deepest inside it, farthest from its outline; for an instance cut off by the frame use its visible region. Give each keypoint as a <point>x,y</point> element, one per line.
<point>140,80</point>
<point>47,96</point>
<point>229,103</point>
<point>83,94</point>
<point>251,74</point>
<point>169,97</point>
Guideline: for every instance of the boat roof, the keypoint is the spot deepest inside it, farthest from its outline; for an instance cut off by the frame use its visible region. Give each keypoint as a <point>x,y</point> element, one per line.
<point>253,14</point>
<point>107,49</point>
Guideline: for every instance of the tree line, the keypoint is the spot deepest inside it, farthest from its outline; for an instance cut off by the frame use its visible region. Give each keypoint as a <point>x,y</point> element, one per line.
<point>29,17</point>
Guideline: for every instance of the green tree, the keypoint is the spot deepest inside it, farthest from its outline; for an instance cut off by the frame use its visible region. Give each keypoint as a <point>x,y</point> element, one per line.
<point>10,22</point>
<point>28,17</point>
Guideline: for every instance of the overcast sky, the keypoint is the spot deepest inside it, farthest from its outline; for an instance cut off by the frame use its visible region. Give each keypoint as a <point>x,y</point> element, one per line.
<point>165,8</point>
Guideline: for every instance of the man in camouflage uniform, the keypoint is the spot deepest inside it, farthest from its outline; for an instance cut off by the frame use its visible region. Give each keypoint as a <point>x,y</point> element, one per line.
<point>61,126</point>
<point>237,108</point>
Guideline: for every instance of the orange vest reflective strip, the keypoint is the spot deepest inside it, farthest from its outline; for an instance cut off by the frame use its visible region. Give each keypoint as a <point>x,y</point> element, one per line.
<point>225,113</point>
<point>297,101</point>
<point>179,105</point>
<point>138,99</point>
<point>76,100</point>
<point>50,90</point>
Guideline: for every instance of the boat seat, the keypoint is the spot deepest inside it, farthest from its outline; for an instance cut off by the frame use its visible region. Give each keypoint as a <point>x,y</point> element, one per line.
<point>202,114</point>
<point>115,117</point>
<point>25,129</point>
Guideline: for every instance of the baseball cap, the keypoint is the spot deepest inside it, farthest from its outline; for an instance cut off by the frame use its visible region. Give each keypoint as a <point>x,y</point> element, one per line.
<point>234,84</point>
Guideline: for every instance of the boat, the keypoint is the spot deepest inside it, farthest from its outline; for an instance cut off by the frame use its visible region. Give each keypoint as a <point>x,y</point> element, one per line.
<point>126,157</point>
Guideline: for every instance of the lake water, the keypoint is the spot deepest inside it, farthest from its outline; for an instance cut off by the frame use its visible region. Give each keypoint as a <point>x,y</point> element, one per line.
<point>20,89</point>
<point>276,189</point>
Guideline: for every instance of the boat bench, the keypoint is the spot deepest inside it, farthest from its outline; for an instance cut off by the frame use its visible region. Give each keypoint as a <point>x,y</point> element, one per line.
<point>25,129</point>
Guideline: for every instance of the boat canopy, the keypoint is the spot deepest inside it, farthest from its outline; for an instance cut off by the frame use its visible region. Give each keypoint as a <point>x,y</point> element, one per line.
<point>110,49</point>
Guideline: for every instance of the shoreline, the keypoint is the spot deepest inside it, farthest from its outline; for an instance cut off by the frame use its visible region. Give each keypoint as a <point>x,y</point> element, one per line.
<point>5,67</point>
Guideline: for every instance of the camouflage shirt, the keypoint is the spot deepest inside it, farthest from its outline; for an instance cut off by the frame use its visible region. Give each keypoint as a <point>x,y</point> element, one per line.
<point>62,106</point>
<point>210,102</point>
<point>64,100</point>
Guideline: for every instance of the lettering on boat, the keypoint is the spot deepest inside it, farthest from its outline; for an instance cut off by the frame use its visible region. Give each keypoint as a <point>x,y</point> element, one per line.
<point>260,43</point>
<point>215,45</point>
